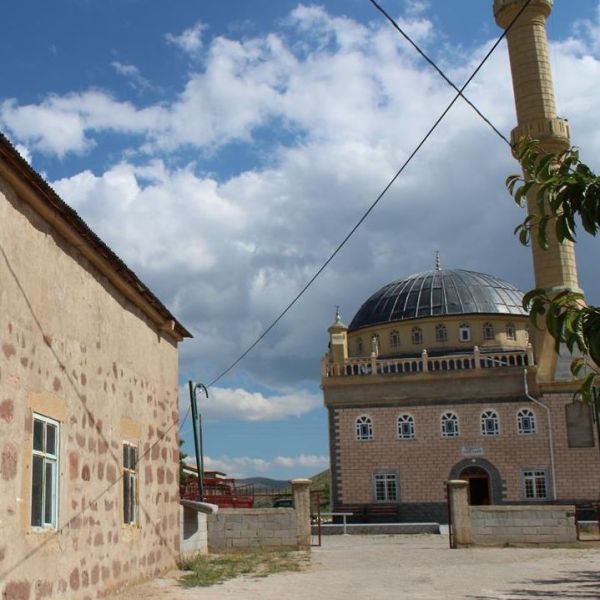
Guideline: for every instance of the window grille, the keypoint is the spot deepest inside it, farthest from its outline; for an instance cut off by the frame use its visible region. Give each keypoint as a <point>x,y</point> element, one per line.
<point>386,487</point>
<point>364,428</point>
<point>441,333</point>
<point>406,427</point>
<point>488,331</point>
<point>535,484</point>
<point>129,483</point>
<point>450,425</point>
<point>417,336</point>
<point>489,423</point>
<point>526,421</point>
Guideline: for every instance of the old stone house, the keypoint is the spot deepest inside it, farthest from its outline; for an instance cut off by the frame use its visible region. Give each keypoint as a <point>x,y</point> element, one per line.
<point>436,378</point>
<point>88,404</point>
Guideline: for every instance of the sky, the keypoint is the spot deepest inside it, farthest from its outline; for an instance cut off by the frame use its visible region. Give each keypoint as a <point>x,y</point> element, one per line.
<point>224,148</point>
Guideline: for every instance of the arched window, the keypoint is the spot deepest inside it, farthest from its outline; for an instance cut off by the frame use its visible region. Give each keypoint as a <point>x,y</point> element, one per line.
<point>406,427</point>
<point>441,333</point>
<point>449,425</point>
<point>488,331</point>
<point>416,335</point>
<point>511,332</point>
<point>464,333</point>
<point>359,347</point>
<point>364,428</point>
<point>526,421</point>
<point>394,339</point>
<point>490,424</point>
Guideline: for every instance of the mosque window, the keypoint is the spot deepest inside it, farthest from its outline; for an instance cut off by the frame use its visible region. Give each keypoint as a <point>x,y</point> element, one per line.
<point>364,428</point>
<point>394,339</point>
<point>488,331</point>
<point>464,333</point>
<point>449,425</point>
<point>526,421</point>
<point>386,487</point>
<point>359,346</point>
<point>441,333</point>
<point>490,424</point>
<point>406,427</point>
<point>416,336</point>
<point>511,332</point>
<point>535,484</point>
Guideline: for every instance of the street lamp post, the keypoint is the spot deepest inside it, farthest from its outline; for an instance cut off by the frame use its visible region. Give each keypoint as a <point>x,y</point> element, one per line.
<point>197,424</point>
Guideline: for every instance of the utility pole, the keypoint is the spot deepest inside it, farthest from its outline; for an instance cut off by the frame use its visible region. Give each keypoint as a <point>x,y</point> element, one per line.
<point>197,424</point>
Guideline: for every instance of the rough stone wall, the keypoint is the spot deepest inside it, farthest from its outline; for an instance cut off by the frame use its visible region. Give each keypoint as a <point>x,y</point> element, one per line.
<point>237,528</point>
<point>74,350</point>
<point>425,463</point>
<point>499,525</point>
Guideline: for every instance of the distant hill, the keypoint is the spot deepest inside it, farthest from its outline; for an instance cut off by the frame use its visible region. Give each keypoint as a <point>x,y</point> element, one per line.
<point>265,483</point>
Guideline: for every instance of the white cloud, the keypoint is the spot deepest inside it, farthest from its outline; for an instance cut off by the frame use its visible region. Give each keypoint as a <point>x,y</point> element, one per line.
<point>132,73</point>
<point>24,152</point>
<point>228,404</point>
<point>246,466</point>
<point>240,466</point>
<point>228,254</point>
<point>189,40</point>
<point>303,460</point>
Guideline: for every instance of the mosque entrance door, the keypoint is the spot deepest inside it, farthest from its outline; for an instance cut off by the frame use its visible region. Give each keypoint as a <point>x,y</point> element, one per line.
<point>479,485</point>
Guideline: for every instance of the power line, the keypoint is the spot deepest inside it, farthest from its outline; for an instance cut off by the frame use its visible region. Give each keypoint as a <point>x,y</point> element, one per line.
<point>458,95</point>
<point>437,68</point>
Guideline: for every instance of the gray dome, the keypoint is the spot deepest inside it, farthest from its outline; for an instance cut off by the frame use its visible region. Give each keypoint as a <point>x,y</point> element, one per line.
<point>439,292</point>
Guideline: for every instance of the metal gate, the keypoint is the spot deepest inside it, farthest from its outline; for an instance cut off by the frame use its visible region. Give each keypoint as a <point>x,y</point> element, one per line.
<point>587,522</point>
<point>315,518</point>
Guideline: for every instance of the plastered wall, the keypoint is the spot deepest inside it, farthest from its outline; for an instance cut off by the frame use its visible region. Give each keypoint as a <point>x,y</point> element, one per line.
<point>74,350</point>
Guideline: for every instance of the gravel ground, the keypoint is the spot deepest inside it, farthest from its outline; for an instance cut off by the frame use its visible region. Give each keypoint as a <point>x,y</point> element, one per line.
<point>411,567</point>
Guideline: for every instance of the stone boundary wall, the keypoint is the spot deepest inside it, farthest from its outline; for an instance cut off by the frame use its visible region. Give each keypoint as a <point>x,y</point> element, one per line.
<point>194,532</point>
<point>499,525</point>
<point>243,528</point>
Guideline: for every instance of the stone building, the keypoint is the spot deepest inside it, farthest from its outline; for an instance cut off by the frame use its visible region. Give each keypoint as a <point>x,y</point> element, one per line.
<point>436,377</point>
<point>88,405</point>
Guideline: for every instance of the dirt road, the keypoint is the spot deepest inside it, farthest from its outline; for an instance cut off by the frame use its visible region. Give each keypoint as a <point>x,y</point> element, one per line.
<point>408,567</point>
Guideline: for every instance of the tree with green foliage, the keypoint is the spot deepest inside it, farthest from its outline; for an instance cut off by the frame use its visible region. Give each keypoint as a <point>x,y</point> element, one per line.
<point>567,195</point>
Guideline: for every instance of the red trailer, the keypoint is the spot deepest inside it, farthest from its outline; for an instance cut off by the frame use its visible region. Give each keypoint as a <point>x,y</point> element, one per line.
<point>220,490</point>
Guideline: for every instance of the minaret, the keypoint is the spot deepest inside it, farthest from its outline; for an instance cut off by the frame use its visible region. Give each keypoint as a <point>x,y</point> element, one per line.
<point>555,268</point>
<point>338,340</point>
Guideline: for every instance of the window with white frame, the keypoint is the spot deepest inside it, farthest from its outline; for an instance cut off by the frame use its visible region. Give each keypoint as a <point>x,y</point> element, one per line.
<point>535,484</point>
<point>394,339</point>
<point>511,332</point>
<point>488,331</point>
<point>441,333</point>
<point>364,428</point>
<point>526,421</point>
<point>449,425</point>
<point>44,472</point>
<point>130,480</point>
<point>386,487</point>
<point>489,423</point>
<point>464,333</point>
<point>406,427</point>
<point>416,335</point>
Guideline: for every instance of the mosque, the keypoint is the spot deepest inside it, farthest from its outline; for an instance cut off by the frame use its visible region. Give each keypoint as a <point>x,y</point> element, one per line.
<point>439,375</point>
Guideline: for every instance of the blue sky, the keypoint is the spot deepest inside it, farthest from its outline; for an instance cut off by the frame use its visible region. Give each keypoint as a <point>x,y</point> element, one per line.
<point>223,149</point>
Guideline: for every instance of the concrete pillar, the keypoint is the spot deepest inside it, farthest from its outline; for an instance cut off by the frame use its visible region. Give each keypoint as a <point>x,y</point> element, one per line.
<point>301,493</point>
<point>460,513</point>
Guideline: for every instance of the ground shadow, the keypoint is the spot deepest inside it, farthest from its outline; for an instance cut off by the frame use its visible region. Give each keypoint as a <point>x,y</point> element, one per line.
<point>572,585</point>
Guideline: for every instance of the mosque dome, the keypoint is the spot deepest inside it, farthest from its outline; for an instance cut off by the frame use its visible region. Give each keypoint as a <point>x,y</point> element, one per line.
<point>437,293</point>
